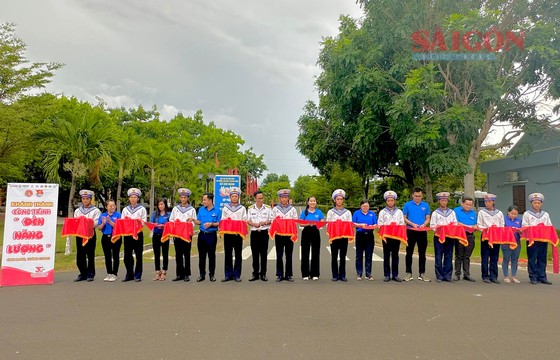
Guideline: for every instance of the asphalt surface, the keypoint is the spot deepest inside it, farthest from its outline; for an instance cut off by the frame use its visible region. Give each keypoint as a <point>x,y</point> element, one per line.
<point>268,320</point>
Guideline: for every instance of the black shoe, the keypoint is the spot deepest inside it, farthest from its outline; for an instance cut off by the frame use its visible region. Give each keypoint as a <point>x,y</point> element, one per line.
<point>533,282</point>
<point>201,278</point>
<point>178,278</point>
<point>89,279</point>
<point>397,279</point>
<point>486,281</point>
<point>334,279</point>
<point>187,278</point>
<point>386,279</point>
<point>212,279</point>
<point>468,278</point>
<point>457,278</point>
<point>227,279</point>
<point>545,281</point>
<point>79,278</point>
<point>290,279</point>
<point>279,278</point>
<point>127,279</point>
<point>495,281</point>
<point>254,278</point>
<point>264,278</point>
<point>343,279</point>
<point>237,279</point>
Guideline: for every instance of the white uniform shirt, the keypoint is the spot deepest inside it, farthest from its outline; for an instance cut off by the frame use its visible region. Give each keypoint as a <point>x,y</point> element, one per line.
<point>487,218</point>
<point>342,214</point>
<point>532,218</point>
<point>91,212</point>
<point>387,216</point>
<point>288,212</point>
<point>442,217</point>
<point>257,215</point>
<point>183,213</point>
<point>234,212</point>
<point>138,212</point>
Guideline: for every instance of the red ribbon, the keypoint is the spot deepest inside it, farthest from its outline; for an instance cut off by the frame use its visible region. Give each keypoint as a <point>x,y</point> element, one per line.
<point>340,230</point>
<point>283,227</point>
<point>234,227</point>
<point>80,227</point>
<point>393,231</point>
<point>126,227</point>
<point>318,224</point>
<point>540,232</point>
<point>178,229</point>
<point>452,231</point>
<point>499,235</point>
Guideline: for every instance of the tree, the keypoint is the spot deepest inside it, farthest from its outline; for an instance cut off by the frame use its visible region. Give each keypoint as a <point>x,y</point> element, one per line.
<point>76,138</point>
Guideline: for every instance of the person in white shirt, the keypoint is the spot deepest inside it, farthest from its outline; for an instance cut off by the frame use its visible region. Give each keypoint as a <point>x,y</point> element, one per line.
<point>339,246</point>
<point>85,254</point>
<point>186,213</point>
<point>284,243</point>
<point>233,243</point>
<point>488,217</point>
<point>260,218</point>
<point>537,253</point>
<point>388,215</point>
<point>443,252</point>
<point>134,211</point>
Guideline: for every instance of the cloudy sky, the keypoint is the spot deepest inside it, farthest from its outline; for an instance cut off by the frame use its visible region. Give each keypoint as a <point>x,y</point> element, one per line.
<point>249,65</point>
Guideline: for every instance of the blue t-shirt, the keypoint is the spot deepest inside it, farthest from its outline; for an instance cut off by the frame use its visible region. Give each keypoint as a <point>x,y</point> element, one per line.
<point>368,218</point>
<point>465,217</point>
<point>108,228</point>
<point>416,212</point>
<point>516,223</point>
<point>159,219</point>
<point>317,215</point>
<point>204,215</point>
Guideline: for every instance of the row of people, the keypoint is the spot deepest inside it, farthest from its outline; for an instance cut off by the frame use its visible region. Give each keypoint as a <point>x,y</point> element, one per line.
<point>415,214</point>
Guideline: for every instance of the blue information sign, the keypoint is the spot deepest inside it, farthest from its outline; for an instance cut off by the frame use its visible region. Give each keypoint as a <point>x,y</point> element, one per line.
<point>222,185</point>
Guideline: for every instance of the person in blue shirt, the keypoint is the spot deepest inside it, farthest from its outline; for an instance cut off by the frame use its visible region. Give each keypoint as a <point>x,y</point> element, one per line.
<point>209,219</point>
<point>310,240</point>
<point>509,255</point>
<point>160,217</point>
<point>365,241</point>
<point>466,216</point>
<point>110,250</point>
<point>416,214</point>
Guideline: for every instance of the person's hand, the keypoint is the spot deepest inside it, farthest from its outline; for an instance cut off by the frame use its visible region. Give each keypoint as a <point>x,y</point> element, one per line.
<point>104,220</point>
<point>207,225</point>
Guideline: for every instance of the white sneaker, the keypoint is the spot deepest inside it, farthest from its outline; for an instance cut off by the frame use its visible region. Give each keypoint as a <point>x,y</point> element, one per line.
<point>407,277</point>
<point>306,278</point>
<point>359,278</point>
<point>107,277</point>
<point>315,278</point>
<point>112,278</point>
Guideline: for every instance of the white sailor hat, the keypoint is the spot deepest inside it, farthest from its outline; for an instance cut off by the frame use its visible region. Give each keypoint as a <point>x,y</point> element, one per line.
<point>235,191</point>
<point>86,193</point>
<point>283,192</point>
<point>390,194</point>
<point>490,197</point>
<point>184,192</point>
<point>337,193</point>
<point>536,196</point>
<point>442,195</point>
<point>134,191</point>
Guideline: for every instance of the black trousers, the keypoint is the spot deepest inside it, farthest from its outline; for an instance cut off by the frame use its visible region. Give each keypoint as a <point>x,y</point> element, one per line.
<point>207,247</point>
<point>159,249</point>
<point>489,260</point>
<point>85,256</point>
<point>365,243</point>
<point>259,251</point>
<point>339,247</point>
<point>182,257</point>
<point>391,257</point>
<point>136,247</point>
<point>463,256</point>
<point>537,257</point>
<point>420,238</point>
<point>233,244</point>
<point>310,242</point>
<point>111,251</point>
<point>284,244</point>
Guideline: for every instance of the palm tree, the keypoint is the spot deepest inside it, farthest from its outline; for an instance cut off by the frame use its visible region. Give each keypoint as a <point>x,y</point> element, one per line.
<point>77,138</point>
<point>125,155</point>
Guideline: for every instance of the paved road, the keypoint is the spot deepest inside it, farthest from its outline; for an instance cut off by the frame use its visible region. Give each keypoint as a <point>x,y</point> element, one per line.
<point>300,320</point>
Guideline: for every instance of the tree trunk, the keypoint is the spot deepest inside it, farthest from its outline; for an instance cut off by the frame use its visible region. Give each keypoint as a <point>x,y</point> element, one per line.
<point>365,183</point>
<point>428,188</point>
<point>119,189</point>
<point>152,190</point>
<point>72,191</point>
<point>468,179</point>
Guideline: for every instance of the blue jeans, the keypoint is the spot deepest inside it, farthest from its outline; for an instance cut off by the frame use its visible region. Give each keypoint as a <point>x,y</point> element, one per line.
<point>512,256</point>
